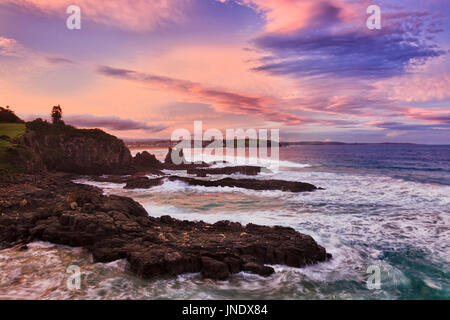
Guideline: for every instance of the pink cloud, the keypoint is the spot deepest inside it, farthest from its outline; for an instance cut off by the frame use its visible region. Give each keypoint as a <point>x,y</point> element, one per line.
<point>136,15</point>
<point>419,87</point>
<point>432,115</point>
<point>10,47</point>
<point>221,100</point>
<point>284,16</point>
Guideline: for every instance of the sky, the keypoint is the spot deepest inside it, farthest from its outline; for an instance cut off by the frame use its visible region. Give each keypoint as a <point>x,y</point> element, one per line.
<point>310,68</point>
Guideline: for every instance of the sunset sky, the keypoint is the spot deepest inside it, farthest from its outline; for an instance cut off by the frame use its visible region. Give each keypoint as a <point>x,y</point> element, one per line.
<point>140,69</point>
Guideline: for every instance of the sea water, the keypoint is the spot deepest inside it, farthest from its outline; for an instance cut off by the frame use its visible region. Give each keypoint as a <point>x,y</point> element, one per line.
<point>382,205</point>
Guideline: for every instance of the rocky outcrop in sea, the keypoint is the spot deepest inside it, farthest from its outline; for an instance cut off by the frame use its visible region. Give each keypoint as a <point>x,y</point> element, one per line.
<point>46,205</point>
<point>52,208</point>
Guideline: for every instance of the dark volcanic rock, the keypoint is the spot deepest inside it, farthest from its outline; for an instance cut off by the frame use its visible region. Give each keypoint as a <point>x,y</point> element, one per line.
<point>183,163</point>
<point>144,161</point>
<point>143,183</point>
<point>258,269</point>
<point>121,179</point>
<point>56,210</point>
<point>247,170</point>
<point>214,269</point>
<point>253,184</point>
<point>82,151</point>
<point>174,154</point>
<point>111,179</point>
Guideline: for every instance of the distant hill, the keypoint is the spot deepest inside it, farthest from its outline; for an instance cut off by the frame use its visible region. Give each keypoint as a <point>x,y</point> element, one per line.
<point>307,143</point>
<point>154,143</point>
<point>151,143</point>
<point>332,143</point>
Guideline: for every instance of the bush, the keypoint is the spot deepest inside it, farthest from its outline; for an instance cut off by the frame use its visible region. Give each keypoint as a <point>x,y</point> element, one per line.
<point>7,115</point>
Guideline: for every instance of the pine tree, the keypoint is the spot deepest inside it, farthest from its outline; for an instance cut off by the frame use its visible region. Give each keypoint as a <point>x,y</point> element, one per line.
<point>57,115</point>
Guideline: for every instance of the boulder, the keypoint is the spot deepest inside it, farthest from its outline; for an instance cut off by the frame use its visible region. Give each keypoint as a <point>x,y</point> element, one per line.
<point>214,269</point>
<point>146,161</point>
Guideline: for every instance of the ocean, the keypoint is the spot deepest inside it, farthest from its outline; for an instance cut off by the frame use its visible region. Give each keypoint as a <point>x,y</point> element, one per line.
<point>384,206</point>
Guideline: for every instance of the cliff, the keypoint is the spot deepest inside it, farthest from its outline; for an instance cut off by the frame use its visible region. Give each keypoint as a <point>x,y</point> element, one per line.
<point>81,151</point>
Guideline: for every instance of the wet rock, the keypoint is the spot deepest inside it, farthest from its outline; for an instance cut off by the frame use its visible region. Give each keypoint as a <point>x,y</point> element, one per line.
<point>181,163</point>
<point>111,179</point>
<point>257,268</point>
<point>214,269</point>
<point>88,207</point>
<point>145,161</point>
<point>123,205</point>
<point>114,227</point>
<point>143,183</point>
<point>253,184</point>
<point>245,170</point>
<point>174,154</point>
<point>234,264</point>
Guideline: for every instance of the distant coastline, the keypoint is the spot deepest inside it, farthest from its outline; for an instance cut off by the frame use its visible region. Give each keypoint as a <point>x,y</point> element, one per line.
<point>155,143</point>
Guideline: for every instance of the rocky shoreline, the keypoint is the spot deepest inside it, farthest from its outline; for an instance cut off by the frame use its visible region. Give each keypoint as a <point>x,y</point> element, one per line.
<point>150,165</point>
<point>40,201</point>
<point>52,208</point>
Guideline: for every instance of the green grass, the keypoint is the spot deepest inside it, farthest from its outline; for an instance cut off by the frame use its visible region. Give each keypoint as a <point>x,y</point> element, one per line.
<point>8,150</point>
<point>12,130</point>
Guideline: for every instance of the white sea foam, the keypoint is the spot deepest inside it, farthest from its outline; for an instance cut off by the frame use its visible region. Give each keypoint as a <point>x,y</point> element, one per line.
<point>360,219</point>
<point>239,160</point>
<point>106,186</point>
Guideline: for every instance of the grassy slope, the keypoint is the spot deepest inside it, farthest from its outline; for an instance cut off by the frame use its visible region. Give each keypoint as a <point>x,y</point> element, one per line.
<point>11,130</point>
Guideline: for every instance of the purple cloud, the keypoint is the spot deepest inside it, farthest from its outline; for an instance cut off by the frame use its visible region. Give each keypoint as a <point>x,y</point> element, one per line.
<point>229,101</point>
<point>393,125</point>
<point>356,52</point>
<point>110,122</point>
<point>60,60</point>
<point>445,118</point>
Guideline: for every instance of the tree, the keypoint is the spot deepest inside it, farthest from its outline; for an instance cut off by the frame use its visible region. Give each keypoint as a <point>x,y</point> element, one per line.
<point>57,115</point>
